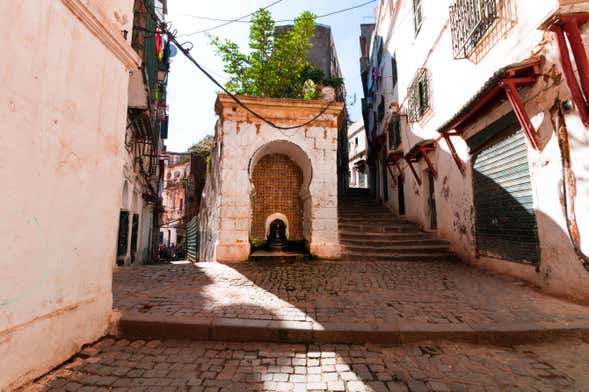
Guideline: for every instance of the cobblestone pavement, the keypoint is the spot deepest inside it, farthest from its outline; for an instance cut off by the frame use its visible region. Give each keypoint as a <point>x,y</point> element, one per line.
<point>338,292</point>
<point>120,365</point>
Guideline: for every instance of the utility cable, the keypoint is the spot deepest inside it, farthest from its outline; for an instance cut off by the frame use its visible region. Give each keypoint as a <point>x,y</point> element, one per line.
<point>239,20</point>
<point>164,28</point>
<point>230,21</point>
<point>334,12</point>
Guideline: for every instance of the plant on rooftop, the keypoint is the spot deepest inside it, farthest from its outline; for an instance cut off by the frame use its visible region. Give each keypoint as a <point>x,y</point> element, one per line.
<point>317,75</point>
<point>277,59</point>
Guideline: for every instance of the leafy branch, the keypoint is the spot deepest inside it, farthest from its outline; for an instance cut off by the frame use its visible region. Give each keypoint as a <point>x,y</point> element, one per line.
<point>277,59</point>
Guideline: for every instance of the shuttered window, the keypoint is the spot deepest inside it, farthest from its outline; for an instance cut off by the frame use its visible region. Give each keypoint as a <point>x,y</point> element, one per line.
<point>505,217</point>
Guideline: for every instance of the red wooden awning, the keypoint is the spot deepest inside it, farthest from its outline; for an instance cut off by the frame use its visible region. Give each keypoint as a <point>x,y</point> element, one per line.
<point>566,27</point>
<point>393,159</point>
<point>419,151</point>
<point>504,84</point>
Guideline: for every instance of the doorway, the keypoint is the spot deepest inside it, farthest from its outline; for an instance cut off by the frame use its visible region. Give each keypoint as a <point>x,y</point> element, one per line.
<point>401,195</point>
<point>134,236</point>
<point>431,200</point>
<point>385,186</point>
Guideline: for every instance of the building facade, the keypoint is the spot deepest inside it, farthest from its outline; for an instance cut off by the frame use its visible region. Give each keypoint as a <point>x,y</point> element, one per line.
<point>479,111</point>
<point>357,149</point>
<point>175,199</point>
<point>147,127</point>
<point>323,55</point>
<point>65,89</point>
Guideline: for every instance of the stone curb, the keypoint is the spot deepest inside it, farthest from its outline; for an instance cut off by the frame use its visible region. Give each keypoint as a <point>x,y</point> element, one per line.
<point>139,326</point>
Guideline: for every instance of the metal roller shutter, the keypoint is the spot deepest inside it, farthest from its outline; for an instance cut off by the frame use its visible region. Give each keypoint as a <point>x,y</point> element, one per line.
<point>505,217</point>
<point>192,239</point>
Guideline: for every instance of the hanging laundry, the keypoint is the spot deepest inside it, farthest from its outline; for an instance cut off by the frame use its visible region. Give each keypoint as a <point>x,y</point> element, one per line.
<point>159,47</point>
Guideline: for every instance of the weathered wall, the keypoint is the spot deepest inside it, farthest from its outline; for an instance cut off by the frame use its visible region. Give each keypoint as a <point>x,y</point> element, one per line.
<point>452,83</point>
<point>208,217</point>
<point>242,141</point>
<point>63,110</point>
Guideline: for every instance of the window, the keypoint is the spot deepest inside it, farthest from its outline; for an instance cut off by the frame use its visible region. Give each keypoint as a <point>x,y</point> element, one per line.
<point>380,110</point>
<point>417,15</point>
<point>469,21</point>
<point>418,95</point>
<point>123,237</point>
<point>394,133</point>
<point>356,142</point>
<point>394,75</point>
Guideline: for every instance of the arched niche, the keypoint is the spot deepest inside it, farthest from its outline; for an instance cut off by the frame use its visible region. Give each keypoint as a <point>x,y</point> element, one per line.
<point>300,159</point>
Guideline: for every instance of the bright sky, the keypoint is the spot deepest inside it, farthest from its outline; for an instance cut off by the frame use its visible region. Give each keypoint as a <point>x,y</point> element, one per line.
<point>191,96</point>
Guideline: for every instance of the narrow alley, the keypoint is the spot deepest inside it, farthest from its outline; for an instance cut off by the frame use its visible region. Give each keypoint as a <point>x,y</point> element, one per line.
<point>289,196</point>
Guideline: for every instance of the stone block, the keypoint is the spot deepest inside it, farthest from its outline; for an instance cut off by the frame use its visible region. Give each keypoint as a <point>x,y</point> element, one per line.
<point>230,235</point>
<point>232,253</point>
<point>326,250</point>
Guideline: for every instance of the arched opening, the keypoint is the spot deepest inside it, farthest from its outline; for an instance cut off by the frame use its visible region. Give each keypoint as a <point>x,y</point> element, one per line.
<point>280,174</point>
<point>277,216</point>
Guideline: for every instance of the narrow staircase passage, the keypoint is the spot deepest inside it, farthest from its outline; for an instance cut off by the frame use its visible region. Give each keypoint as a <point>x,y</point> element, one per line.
<point>371,232</point>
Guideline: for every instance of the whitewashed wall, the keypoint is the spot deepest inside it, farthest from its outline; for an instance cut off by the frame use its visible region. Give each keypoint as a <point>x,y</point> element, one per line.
<point>453,83</point>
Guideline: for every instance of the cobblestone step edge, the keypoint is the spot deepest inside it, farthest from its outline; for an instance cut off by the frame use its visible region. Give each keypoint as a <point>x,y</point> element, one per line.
<point>138,326</point>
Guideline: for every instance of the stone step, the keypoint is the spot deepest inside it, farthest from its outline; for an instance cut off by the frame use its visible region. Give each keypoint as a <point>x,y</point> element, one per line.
<point>262,256</point>
<point>360,212</point>
<point>395,250</point>
<point>147,327</point>
<point>348,241</point>
<point>354,212</point>
<point>362,204</point>
<point>375,220</point>
<point>366,209</point>
<point>383,236</point>
<point>425,257</point>
<point>375,228</point>
<point>361,215</point>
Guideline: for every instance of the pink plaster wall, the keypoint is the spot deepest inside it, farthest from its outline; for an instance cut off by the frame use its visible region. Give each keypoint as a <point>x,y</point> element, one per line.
<point>62,109</point>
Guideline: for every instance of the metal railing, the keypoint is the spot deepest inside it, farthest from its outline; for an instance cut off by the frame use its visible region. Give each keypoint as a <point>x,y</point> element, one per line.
<point>470,20</point>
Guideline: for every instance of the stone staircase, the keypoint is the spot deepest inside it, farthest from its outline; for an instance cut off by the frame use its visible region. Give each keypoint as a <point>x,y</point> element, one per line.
<point>369,231</point>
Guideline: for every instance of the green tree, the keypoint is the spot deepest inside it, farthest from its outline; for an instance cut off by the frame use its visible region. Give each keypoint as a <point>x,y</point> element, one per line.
<point>276,61</point>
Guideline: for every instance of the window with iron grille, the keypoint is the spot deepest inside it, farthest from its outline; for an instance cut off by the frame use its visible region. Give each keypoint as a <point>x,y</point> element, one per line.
<point>470,20</point>
<point>418,95</point>
<point>394,133</point>
<point>417,15</point>
<point>394,74</point>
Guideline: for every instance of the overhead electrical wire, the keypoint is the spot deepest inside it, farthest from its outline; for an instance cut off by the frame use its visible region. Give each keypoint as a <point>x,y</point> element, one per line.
<point>229,21</point>
<point>172,37</point>
<point>239,20</point>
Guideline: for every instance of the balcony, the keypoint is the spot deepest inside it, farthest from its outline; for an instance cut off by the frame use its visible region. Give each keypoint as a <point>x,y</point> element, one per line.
<point>470,20</point>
